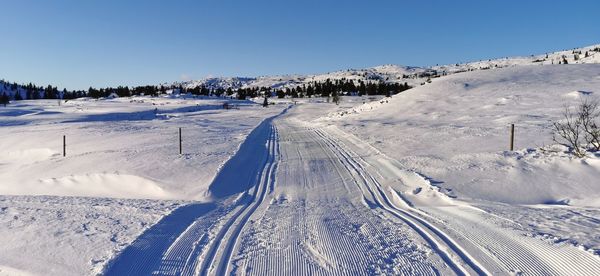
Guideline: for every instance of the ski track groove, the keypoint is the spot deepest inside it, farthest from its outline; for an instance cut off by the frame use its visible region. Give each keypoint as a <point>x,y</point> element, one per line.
<point>317,248</point>
<point>519,253</point>
<point>303,236</point>
<point>239,219</point>
<point>268,181</point>
<point>384,203</point>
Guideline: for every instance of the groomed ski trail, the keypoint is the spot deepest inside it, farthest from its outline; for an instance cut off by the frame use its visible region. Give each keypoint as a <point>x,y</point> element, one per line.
<point>484,245</point>
<point>219,253</point>
<point>198,238</point>
<point>300,199</point>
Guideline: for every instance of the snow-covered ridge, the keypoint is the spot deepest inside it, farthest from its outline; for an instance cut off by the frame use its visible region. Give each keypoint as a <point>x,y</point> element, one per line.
<point>386,73</point>
<point>583,55</point>
<point>413,75</point>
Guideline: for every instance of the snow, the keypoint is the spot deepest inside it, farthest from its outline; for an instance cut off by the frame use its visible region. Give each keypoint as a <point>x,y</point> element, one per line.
<point>455,133</point>
<point>465,147</point>
<point>41,235</point>
<point>71,215</point>
<point>109,144</point>
<point>419,183</point>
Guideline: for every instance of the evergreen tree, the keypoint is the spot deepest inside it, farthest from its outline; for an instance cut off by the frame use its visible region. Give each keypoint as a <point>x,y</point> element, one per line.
<point>18,96</point>
<point>4,99</point>
<point>281,94</point>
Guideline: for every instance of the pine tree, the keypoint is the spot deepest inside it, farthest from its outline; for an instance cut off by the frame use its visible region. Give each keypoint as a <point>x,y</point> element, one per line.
<point>281,94</point>
<point>4,99</point>
<point>18,96</point>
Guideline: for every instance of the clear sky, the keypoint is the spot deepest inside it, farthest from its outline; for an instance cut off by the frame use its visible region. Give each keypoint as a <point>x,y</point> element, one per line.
<point>77,44</point>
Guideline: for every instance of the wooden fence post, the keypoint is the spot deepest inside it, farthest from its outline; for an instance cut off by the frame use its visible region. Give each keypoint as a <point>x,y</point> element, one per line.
<point>64,145</point>
<point>180,147</point>
<point>512,137</point>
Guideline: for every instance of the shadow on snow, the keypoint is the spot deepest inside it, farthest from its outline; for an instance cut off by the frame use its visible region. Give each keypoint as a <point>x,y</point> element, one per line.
<point>144,255</point>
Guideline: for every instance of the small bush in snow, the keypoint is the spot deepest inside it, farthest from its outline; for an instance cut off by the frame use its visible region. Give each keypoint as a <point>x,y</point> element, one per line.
<point>579,128</point>
<point>589,112</point>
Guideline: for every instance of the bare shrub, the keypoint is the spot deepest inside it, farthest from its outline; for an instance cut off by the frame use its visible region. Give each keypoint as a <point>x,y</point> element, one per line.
<point>589,112</point>
<point>568,132</point>
<point>579,128</point>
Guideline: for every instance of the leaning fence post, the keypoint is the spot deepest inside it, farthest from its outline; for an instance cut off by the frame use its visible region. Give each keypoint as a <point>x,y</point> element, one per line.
<point>512,137</point>
<point>64,145</point>
<point>180,148</point>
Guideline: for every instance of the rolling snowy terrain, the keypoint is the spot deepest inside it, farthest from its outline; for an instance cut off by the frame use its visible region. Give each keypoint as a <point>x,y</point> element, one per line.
<point>418,183</point>
<point>455,132</point>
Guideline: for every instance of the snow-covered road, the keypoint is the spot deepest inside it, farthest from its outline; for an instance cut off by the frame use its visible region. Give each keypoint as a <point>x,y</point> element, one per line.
<point>300,199</point>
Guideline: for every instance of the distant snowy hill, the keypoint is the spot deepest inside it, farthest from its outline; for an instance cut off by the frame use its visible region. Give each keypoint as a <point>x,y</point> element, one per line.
<point>584,55</point>
<point>387,73</point>
<point>400,74</point>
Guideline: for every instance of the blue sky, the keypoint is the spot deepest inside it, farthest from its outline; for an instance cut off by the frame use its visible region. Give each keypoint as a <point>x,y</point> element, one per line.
<point>77,44</point>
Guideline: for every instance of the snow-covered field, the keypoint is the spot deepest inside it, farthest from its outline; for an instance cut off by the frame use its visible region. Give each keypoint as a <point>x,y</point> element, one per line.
<point>121,148</point>
<point>419,183</point>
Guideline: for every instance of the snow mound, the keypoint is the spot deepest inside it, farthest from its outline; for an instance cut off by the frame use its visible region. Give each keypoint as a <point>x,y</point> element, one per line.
<point>113,185</point>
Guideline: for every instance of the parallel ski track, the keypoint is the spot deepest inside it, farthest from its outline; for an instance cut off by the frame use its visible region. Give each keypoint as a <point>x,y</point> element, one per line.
<point>314,245</point>
<point>218,256</point>
<point>437,239</point>
<point>515,254</point>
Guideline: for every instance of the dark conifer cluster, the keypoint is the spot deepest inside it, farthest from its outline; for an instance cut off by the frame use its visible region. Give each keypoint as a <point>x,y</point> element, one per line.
<point>334,88</point>
<point>327,88</point>
<point>31,91</point>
